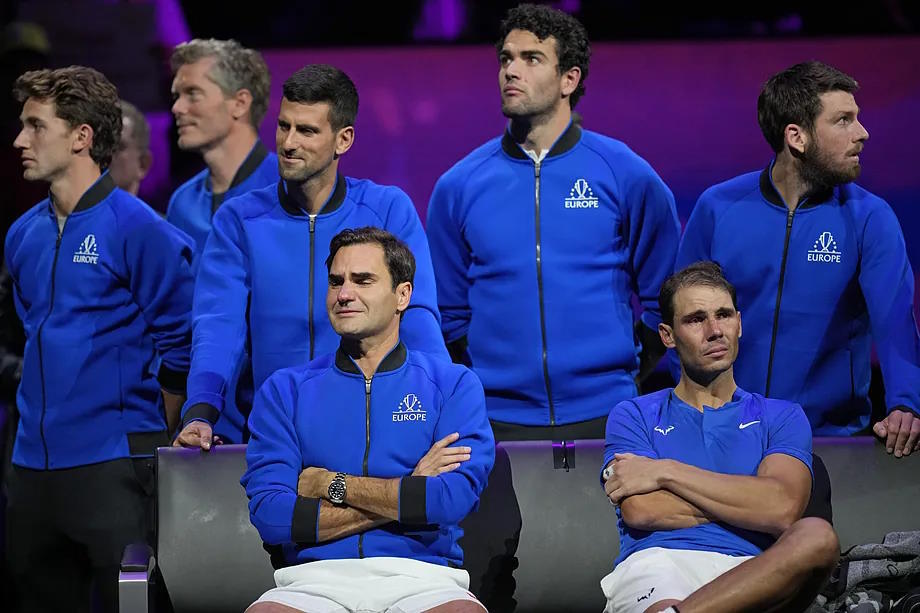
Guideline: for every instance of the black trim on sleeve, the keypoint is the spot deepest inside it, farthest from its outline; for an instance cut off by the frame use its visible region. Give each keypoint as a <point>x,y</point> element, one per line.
<point>303,522</point>
<point>202,410</point>
<point>173,381</point>
<point>906,409</point>
<point>412,507</point>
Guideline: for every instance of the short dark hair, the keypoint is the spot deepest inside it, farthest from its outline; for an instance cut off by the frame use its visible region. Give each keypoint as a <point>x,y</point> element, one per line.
<point>235,68</point>
<point>324,83</point>
<point>698,273</point>
<point>792,96</point>
<point>397,255</point>
<point>81,95</point>
<point>572,44</point>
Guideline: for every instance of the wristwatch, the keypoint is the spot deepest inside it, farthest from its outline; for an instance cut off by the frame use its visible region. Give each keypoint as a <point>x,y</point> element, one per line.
<point>337,490</point>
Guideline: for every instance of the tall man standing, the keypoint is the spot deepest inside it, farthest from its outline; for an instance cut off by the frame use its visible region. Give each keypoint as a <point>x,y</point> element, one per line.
<point>103,287</point>
<point>539,239</point>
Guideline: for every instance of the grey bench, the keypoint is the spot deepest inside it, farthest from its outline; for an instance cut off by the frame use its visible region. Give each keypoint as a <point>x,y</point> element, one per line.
<point>542,539</point>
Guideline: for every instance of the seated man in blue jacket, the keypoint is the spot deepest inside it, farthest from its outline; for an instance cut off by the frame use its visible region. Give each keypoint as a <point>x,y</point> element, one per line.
<point>349,471</point>
<point>819,262</point>
<point>710,481</point>
<point>103,287</point>
<point>261,281</point>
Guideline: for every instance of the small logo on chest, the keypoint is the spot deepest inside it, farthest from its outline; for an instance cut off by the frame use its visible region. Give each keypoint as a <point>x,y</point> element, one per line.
<point>663,430</point>
<point>581,196</point>
<point>409,409</point>
<point>825,249</point>
<point>86,253</point>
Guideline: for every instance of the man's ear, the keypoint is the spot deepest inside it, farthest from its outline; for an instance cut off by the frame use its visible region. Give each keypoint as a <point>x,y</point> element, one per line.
<point>796,137</point>
<point>82,139</point>
<point>241,104</point>
<point>344,139</point>
<point>570,80</point>
<point>403,296</point>
<point>666,333</point>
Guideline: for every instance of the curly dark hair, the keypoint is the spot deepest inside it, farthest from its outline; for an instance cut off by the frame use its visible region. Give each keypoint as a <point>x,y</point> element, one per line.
<point>81,95</point>
<point>572,45</point>
<point>792,96</point>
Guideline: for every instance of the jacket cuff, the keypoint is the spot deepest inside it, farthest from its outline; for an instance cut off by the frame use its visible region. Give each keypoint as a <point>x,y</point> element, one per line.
<point>304,521</point>
<point>201,412</point>
<point>412,497</point>
<point>173,381</point>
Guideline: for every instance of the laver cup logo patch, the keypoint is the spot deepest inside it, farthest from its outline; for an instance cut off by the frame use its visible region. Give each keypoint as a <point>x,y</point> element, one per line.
<point>86,253</point>
<point>825,249</point>
<point>581,196</point>
<point>409,409</point>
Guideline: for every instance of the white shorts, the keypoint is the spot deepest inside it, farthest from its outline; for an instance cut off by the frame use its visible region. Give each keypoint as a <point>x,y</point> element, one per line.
<point>656,574</point>
<point>395,585</point>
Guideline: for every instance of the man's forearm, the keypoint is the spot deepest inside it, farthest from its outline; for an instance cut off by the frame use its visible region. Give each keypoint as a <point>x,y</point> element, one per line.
<point>340,521</point>
<point>172,404</point>
<point>376,496</point>
<point>660,510</point>
<point>758,503</point>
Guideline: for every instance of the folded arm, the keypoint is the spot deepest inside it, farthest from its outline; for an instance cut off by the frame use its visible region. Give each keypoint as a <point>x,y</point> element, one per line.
<point>768,502</point>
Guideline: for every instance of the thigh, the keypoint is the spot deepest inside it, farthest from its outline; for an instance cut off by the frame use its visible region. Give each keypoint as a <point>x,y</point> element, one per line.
<point>109,503</point>
<point>37,550</point>
<point>429,599</point>
<point>110,510</point>
<point>297,599</point>
<point>642,579</point>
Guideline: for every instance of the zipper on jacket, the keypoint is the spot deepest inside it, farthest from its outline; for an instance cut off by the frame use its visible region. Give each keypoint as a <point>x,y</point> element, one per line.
<point>41,363</point>
<point>779,296</point>
<point>310,291</point>
<point>549,389</point>
<point>367,446</point>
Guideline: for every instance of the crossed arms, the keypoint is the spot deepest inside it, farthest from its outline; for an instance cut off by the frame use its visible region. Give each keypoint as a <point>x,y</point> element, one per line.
<point>667,494</point>
<point>372,501</point>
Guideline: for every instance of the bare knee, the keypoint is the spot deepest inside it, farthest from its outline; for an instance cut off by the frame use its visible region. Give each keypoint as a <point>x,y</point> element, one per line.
<point>661,605</point>
<point>271,607</point>
<point>814,542</point>
<point>458,606</point>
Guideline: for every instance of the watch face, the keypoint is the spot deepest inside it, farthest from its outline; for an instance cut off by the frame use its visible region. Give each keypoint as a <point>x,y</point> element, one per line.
<point>337,490</point>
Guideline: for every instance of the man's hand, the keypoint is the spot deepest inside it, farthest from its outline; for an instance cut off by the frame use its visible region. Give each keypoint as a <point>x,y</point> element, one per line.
<point>632,474</point>
<point>901,431</point>
<point>441,458</point>
<point>314,482</point>
<point>197,434</point>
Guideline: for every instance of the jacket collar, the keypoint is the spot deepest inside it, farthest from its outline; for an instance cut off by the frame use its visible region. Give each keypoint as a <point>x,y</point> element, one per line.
<point>255,158</point>
<point>565,142</point>
<point>771,194</point>
<point>392,361</point>
<point>96,193</point>
<point>332,204</point>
